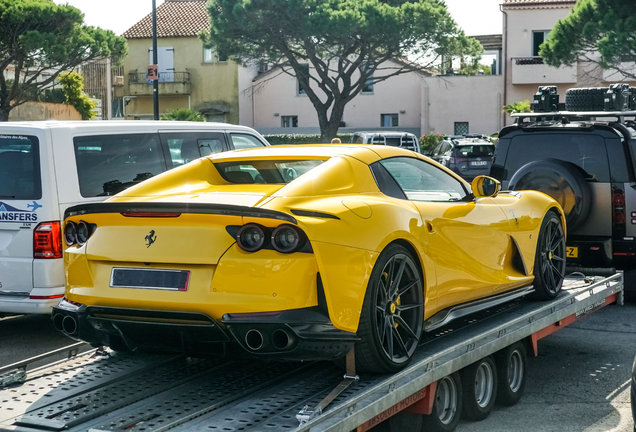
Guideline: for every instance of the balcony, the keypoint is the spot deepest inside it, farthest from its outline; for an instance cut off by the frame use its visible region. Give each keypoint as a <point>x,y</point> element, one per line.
<point>170,83</point>
<point>532,70</point>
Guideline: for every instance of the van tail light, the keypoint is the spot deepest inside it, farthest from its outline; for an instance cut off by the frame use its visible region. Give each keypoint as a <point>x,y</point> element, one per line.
<point>47,240</point>
<point>618,207</point>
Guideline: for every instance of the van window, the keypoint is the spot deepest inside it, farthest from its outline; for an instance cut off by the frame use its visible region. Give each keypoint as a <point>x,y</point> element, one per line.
<point>20,167</point>
<point>243,141</point>
<point>108,164</point>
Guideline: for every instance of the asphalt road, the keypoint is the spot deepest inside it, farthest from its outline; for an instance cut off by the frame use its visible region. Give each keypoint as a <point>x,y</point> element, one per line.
<point>579,381</point>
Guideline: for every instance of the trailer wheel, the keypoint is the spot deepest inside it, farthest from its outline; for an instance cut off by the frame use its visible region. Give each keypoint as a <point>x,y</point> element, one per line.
<point>549,262</point>
<point>392,313</point>
<point>447,406</point>
<point>511,370</point>
<point>479,387</point>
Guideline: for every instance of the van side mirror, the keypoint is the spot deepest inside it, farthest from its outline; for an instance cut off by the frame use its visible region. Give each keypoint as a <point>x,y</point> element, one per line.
<point>484,186</point>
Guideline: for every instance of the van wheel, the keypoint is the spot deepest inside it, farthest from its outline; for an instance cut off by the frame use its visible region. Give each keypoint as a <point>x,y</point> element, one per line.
<point>511,370</point>
<point>562,181</point>
<point>549,262</point>
<point>447,406</point>
<point>479,387</point>
<point>392,313</point>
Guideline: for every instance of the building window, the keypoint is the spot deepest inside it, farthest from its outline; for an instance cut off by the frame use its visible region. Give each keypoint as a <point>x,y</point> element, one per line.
<point>389,120</point>
<point>289,121</point>
<point>304,71</point>
<point>222,57</point>
<point>207,55</point>
<point>538,37</point>
<point>461,128</point>
<point>367,88</point>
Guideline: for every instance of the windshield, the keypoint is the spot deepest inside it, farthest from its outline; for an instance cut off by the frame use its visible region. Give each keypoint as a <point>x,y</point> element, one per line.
<point>265,171</point>
<point>19,167</point>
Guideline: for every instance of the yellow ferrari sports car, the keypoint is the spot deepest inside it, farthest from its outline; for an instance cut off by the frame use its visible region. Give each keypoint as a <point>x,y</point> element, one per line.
<point>302,252</point>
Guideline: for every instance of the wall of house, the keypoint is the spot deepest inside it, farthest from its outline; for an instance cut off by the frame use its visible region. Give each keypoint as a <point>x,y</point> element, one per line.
<point>212,84</point>
<point>276,95</point>
<point>36,111</point>
<point>477,100</point>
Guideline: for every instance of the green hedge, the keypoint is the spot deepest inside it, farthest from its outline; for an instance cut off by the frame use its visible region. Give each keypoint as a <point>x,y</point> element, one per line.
<point>285,139</point>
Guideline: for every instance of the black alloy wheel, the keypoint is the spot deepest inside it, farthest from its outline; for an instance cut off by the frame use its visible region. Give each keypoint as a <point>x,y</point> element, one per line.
<point>549,264</point>
<point>392,313</point>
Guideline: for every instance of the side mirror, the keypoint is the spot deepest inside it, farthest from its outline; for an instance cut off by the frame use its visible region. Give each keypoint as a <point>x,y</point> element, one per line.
<point>484,186</point>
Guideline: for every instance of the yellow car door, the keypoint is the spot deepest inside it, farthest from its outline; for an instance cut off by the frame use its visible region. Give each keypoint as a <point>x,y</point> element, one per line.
<point>467,238</point>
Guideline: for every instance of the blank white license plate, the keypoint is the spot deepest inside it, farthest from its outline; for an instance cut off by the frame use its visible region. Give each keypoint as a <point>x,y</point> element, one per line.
<point>478,163</point>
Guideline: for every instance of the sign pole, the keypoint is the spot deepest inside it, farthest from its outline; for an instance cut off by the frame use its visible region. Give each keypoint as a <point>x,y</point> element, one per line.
<point>155,82</point>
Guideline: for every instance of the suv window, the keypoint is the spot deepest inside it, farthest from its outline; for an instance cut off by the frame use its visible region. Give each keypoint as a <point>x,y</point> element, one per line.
<point>108,164</point>
<point>475,150</point>
<point>422,181</point>
<point>19,167</point>
<point>585,150</point>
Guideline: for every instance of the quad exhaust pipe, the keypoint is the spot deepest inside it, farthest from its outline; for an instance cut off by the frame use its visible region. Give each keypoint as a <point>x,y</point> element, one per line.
<point>279,339</point>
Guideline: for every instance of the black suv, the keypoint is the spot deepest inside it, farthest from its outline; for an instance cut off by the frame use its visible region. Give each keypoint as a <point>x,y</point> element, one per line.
<point>467,155</point>
<point>585,158</point>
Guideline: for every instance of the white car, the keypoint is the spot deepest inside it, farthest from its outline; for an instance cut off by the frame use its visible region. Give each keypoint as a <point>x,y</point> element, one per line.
<point>404,140</point>
<point>46,167</point>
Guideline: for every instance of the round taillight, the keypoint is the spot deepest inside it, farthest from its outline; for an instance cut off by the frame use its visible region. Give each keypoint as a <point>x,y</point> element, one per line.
<point>82,233</point>
<point>250,238</point>
<point>285,239</point>
<point>70,233</point>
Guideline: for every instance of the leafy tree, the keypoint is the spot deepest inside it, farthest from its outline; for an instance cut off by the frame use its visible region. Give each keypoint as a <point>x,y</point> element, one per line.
<point>184,114</point>
<point>73,88</point>
<point>40,40</point>
<point>346,43</point>
<point>602,32</point>
<point>518,107</point>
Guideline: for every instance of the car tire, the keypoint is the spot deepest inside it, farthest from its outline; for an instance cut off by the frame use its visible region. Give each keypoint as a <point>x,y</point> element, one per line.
<point>479,389</point>
<point>562,181</point>
<point>585,99</point>
<point>511,372</point>
<point>549,262</point>
<point>447,406</point>
<point>392,313</point>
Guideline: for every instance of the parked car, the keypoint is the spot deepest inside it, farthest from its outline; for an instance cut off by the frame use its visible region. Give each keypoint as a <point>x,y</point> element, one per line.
<point>584,157</point>
<point>404,140</point>
<point>467,155</point>
<point>46,167</point>
<point>300,252</point>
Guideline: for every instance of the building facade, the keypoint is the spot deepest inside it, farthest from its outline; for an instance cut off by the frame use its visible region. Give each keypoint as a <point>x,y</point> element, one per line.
<point>190,76</point>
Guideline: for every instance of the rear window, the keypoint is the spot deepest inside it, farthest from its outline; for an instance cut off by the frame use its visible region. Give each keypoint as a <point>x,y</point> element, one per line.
<point>475,150</point>
<point>20,167</point>
<point>587,151</point>
<point>108,164</point>
<point>266,171</point>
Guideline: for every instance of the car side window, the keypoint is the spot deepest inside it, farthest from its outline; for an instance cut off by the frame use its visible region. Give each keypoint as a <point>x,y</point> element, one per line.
<point>422,181</point>
<point>243,141</point>
<point>438,150</point>
<point>210,146</point>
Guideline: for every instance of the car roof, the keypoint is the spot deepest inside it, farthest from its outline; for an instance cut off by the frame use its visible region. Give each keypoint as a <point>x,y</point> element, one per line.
<point>123,125</point>
<point>363,152</point>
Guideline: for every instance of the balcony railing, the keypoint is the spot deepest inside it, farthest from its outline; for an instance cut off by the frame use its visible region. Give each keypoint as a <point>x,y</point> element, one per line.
<point>169,83</point>
<point>532,70</point>
<point>140,77</point>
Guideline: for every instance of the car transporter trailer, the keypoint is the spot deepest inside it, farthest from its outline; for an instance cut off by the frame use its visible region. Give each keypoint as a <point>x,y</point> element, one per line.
<point>100,391</point>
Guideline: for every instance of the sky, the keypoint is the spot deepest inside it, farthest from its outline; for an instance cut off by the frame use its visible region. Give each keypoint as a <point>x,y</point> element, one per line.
<point>475,17</point>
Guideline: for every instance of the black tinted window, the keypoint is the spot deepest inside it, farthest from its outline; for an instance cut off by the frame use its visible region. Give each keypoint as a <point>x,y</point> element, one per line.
<point>585,150</point>
<point>475,150</point>
<point>108,164</point>
<point>19,167</point>
<point>265,171</point>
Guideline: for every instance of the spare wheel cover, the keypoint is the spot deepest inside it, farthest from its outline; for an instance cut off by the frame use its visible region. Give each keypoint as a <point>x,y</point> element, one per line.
<point>561,180</point>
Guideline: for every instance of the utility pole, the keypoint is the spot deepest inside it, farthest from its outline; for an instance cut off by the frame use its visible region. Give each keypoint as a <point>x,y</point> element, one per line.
<point>155,83</point>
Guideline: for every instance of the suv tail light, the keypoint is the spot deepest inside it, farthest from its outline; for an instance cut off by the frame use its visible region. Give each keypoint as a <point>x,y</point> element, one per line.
<point>618,207</point>
<point>47,240</point>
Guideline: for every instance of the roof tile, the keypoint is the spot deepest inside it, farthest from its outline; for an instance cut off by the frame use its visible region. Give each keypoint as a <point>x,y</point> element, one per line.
<point>175,18</point>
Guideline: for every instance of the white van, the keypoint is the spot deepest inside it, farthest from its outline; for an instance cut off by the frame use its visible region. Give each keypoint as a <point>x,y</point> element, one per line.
<point>46,167</point>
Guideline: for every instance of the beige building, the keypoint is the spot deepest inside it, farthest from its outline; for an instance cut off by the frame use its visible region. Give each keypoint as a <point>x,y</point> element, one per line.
<point>526,24</point>
<point>190,76</point>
